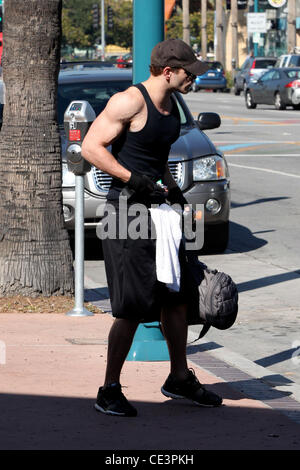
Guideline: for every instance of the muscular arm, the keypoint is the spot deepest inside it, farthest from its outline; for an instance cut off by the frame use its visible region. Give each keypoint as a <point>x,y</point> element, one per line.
<point>107,127</point>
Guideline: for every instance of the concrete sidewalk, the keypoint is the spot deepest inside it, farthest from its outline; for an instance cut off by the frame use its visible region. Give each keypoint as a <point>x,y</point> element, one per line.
<point>54,364</point>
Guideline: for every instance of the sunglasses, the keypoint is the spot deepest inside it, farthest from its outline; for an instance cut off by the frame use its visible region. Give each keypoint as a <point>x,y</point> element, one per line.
<point>190,75</point>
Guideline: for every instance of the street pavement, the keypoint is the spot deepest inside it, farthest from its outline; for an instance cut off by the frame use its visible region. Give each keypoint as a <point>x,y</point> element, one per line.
<point>263,153</point>
<point>54,363</point>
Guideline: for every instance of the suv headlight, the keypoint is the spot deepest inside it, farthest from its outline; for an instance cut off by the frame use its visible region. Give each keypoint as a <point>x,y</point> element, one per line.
<point>209,168</point>
<point>68,178</point>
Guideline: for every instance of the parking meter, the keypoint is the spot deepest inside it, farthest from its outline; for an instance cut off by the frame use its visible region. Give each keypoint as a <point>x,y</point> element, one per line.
<point>78,118</point>
<point>233,63</point>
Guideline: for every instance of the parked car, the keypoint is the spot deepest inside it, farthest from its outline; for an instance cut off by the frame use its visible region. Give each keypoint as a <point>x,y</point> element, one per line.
<point>279,87</point>
<point>198,167</point>
<point>252,68</point>
<point>124,61</point>
<point>213,79</point>
<point>89,64</point>
<point>288,60</point>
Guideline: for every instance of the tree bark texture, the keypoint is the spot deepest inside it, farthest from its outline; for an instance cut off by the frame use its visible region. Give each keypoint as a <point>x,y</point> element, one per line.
<point>35,254</point>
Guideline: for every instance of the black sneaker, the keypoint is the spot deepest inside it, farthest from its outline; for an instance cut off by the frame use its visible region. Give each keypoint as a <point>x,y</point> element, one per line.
<point>111,401</point>
<point>192,389</point>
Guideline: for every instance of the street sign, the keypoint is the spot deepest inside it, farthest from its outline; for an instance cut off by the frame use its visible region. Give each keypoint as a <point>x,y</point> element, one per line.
<point>277,3</point>
<point>256,23</point>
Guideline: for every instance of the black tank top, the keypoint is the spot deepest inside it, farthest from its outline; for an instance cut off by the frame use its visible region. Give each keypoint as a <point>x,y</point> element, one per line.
<point>146,151</point>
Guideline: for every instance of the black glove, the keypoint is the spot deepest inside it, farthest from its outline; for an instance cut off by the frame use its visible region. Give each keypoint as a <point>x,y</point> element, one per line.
<point>175,196</point>
<point>143,185</point>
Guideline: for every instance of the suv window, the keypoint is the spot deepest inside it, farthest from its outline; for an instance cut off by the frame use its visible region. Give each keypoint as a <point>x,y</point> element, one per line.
<point>215,65</point>
<point>97,94</point>
<point>183,118</point>
<point>295,61</point>
<point>285,61</point>
<point>264,63</point>
<point>292,73</point>
<point>268,76</point>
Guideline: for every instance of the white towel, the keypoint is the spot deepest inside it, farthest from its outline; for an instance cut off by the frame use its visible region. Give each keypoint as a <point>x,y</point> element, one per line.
<point>168,238</point>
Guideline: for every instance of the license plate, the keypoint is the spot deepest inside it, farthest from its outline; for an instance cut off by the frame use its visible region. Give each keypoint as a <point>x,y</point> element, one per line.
<point>211,74</point>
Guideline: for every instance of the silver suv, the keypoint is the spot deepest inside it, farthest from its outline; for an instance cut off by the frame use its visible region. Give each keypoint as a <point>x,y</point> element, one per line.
<point>198,167</point>
<point>288,60</point>
<point>252,68</point>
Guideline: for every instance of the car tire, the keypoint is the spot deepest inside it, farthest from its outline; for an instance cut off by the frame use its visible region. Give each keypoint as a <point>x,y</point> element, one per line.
<point>296,106</point>
<point>217,238</point>
<point>278,102</point>
<point>236,91</point>
<point>194,88</point>
<point>250,104</point>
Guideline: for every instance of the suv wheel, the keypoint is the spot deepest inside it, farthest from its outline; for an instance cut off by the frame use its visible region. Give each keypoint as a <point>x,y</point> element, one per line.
<point>296,106</point>
<point>194,87</point>
<point>236,91</point>
<point>250,104</point>
<point>277,102</point>
<point>217,238</point>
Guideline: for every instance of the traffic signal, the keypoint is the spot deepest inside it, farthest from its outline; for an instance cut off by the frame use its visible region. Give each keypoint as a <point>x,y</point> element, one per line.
<point>241,4</point>
<point>110,19</point>
<point>95,14</point>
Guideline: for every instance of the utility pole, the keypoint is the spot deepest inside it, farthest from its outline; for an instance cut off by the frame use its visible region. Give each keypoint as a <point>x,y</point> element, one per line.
<point>203,29</point>
<point>186,20</point>
<point>219,30</point>
<point>291,26</point>
<point>234,29</point>
<point>102,31</point>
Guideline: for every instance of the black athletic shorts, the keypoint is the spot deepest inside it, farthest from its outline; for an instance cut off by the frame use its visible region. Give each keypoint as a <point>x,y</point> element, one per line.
<point>135,293</point>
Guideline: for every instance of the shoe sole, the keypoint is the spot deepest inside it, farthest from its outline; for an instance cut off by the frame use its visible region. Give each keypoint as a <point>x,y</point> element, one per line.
<point>175,397</point>
<point>109,412</point>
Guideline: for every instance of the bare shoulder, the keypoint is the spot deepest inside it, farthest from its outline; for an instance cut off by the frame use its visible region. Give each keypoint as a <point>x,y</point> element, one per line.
<point>125,104</point>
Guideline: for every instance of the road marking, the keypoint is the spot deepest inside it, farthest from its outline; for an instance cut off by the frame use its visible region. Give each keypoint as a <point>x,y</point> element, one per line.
<point>264,169</point>
<point>252,121</point>
<point>262,155</point>
<point>236,142</point>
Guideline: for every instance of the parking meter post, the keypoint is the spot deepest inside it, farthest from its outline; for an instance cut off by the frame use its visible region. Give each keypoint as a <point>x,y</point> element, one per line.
<point>78,117</point>
<point>79,310</point>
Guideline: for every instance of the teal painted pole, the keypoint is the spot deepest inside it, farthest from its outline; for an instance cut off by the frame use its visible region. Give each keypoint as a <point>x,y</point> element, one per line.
<point>255,44</point>
<point>148,30</point>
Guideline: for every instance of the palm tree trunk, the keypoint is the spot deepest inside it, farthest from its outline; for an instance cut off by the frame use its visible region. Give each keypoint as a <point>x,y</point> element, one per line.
<point>35,255</point>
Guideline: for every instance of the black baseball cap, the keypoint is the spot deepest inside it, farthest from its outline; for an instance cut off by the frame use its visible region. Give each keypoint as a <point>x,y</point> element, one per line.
<point>176,53</point>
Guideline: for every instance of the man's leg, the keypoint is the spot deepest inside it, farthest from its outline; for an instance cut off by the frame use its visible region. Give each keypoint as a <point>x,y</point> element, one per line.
<point>110,399</point>
<point>174,327</point>
<point>119,342</point>
<point>182,382</point>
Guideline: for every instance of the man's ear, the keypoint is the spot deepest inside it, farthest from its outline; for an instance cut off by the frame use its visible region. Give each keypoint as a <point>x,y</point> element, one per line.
<point>167,73</point>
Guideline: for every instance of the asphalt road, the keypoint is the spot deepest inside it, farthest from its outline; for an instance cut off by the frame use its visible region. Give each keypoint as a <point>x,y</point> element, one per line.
<point>262,147</point>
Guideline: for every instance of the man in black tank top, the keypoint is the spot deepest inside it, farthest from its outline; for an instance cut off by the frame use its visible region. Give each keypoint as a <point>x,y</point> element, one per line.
<point>141,123</point>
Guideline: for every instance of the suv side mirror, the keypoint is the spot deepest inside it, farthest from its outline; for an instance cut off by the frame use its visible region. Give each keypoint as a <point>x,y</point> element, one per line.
<point>208,121</point>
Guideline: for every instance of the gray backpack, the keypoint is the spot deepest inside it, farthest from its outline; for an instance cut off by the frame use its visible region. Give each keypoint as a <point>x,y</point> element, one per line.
<point>215,297</point>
